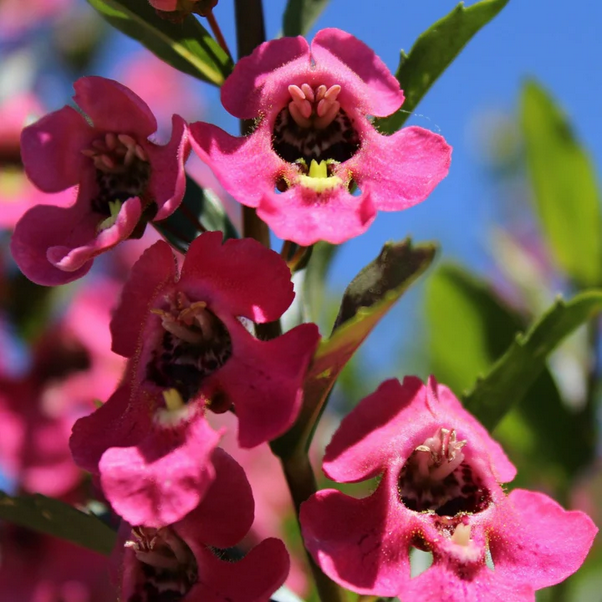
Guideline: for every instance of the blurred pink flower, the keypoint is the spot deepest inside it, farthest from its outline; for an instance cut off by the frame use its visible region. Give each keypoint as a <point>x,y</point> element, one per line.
<point>72,366</point>
<point>439,492</point>
<point>17,17</point>
<point>314,141</point>
<point>38,568</point>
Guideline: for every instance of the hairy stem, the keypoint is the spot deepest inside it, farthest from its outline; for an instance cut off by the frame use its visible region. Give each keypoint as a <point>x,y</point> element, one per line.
<point>302,484</point>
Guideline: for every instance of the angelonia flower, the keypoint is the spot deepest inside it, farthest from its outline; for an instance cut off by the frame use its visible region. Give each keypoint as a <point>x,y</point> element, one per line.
<point>314,166</point>
<point>440,492</point>
<point>189,352</point>
<point>124,179</point>
<point>197,559</point>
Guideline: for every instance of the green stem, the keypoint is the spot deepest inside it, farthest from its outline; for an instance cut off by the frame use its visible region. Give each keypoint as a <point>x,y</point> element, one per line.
<point>302,484</point>
<point>250,33</point>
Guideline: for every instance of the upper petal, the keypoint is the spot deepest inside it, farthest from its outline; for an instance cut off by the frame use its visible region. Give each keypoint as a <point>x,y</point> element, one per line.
<point>381,428</point>
<point>240,277</point>
<point>51,147</point>
<point>242,91</point>
<point>400,170</point>
<point>339,52</point>
<point>155,270</point>
<point>114,108</point>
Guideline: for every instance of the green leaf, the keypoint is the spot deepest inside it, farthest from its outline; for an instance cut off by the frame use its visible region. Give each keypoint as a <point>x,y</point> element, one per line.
<point>564,182</point>
<point>512,374</point>
<point>470,328</point>
<point>398,264</point>
<point>433,52</point>
<point>200,205</point>
<point>54,517</point>
<point>187,46</point>
<point>300,15</point>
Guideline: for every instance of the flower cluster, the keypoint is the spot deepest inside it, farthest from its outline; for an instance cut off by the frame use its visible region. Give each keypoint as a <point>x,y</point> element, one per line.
<point>190,333</point>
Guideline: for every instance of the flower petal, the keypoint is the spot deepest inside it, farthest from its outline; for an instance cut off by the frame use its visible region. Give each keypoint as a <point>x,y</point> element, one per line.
<point>164,477</point>
<point>265,379</point>
<point>51,147</point>
<point>114,108</point>
<point>442,583</point>
<point>119,422</point>
<point>400,170</point>
<point>378,430</point>
<point>246,167</point>
<point>362,544</point>
<point>225,514</point>
<point>238,277</point>
<point>151,274</point>
<point>168,180</point>
<point>336,51</point>
<point>253,579</point>
<point>242,92</point>
<point>41,228</point>
<point>305,217</point>
<point>538,543</point>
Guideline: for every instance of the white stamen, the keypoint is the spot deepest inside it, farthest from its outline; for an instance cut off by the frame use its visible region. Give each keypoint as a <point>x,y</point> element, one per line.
<point>309,93</point>
<point>333,92</point>
<point>320,92</point>
<point>296,92</point>
<point>141,153</point>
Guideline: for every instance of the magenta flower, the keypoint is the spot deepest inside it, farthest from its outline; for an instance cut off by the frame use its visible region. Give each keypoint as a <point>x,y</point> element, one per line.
<point>187,340</point>
<point>187,561</point>
<point>124,179</point>
<point>314,142</point>
<point>439,492</point>
<point>190,352</point>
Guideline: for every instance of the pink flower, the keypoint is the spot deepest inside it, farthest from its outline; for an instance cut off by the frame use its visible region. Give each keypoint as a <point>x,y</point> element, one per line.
<point>124,179</point>
<point>185,334</point>
<point>190,352</point>
<point>188,561</point>
<point>314,142</point>
<point>439,492</point>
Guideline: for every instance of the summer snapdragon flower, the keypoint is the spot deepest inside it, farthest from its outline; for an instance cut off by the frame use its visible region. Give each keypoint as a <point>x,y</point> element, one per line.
<point>189,352</point>
<point>440,491</point>
<point>188,561</point>
<point>314,142</point>
<point>124,179</point>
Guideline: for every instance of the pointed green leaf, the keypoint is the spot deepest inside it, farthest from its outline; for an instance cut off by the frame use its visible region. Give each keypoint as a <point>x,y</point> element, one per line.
<point>187,46</point>
<point>470,328</point>
<point>199,206</point>
<point>512,374</point>
<point>433,52</point>
<point>564,182</point>
<point>54,517</point>
<point>300,15</point>
<point>367,299</point>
